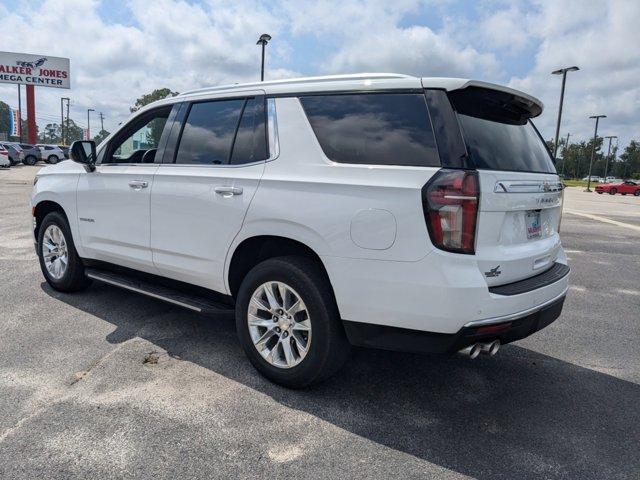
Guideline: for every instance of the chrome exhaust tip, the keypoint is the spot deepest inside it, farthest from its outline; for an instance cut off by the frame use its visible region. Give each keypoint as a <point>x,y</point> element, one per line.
<point>472,351</point>
<point>490,348</point>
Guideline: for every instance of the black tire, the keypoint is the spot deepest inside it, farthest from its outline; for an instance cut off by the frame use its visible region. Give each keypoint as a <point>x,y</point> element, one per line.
<point>52,159</point>
<point>30,160</point>
<point>599,192</point>
<point>74,278</point>
<point>636,193</point>
<point>613,191</point>
<point>329,346</point>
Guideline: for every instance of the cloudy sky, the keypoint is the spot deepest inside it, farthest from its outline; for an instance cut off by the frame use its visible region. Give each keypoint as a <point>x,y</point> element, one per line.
<point>122,49</point>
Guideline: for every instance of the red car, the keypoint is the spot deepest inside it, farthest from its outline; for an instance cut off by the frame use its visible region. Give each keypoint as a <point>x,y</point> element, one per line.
<point>628,186</point>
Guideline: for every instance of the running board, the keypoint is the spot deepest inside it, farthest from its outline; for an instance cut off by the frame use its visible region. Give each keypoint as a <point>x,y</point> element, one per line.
<point>196,303</point>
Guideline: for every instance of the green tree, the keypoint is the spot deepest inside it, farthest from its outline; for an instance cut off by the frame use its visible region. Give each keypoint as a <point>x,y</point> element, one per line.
<point>629,165</point>
<point>146,99</point>
<point>102,134</point>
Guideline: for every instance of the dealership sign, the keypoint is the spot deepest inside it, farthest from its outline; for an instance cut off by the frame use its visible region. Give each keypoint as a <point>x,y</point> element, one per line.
<point>36,70</point>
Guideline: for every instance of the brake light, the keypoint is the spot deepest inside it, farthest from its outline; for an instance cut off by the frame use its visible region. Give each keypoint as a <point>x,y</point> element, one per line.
<point>450,203</point>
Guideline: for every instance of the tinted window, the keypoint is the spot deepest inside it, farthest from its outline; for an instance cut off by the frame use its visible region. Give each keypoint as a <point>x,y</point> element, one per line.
<point>208,132</point>
<point>379,129</point>
<point>250,144</point>
<point>501,146</point>
<point>140,136</point>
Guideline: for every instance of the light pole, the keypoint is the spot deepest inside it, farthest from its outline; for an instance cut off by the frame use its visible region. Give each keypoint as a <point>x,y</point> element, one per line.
<point>88,123</point>
<point>606,165</point>
<point>263,40</point>
<point>563,72</point>
<point>62,99</point>
<point>593,149</point>
<point>564,155</point>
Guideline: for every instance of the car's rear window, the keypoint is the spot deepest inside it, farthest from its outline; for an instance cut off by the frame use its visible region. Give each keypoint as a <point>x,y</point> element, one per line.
<point>498,132</point>
<point>373,128</point>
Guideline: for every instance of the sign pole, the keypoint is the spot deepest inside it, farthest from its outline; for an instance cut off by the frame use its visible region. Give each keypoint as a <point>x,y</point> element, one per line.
<point>31,115</point>
<point>20,113</point>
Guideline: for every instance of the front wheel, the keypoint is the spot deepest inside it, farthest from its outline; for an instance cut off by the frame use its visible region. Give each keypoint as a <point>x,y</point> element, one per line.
<point>613,191</point>
<point>636,193</point>
<point>59,261</point>
<point>52,159</point>
<point>30,160</point>
<point>288,322</point>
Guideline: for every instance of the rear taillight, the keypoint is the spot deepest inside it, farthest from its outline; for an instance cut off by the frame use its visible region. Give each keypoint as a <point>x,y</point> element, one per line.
<point>450,202</point>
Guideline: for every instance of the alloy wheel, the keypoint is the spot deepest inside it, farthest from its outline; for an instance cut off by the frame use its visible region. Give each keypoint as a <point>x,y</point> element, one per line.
<point>279,324</point>
<point>54,252</point>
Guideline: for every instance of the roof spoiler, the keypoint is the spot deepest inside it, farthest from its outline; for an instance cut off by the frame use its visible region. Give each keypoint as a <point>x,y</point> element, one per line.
<point>495,102</point>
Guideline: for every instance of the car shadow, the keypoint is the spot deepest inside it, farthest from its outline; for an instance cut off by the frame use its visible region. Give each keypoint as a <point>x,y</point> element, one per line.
<point>518,415</point>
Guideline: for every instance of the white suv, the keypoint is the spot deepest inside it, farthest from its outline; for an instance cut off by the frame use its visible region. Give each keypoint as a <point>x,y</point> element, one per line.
<point>382,210</point>
<point>51,153</point>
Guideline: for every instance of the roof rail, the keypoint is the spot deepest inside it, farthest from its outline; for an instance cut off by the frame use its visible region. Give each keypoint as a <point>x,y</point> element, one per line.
<point>296,81</point>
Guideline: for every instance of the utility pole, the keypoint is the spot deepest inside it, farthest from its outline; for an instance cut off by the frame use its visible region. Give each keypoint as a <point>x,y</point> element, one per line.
<point>563,72</point>
<point>67,129</point>
<point>20,112</point>
<point>593,149</point>
<point>564,155</point>
<point>606,165</point>
<point>88,123</point>
<point>101,122</point>
<point>263,40</point>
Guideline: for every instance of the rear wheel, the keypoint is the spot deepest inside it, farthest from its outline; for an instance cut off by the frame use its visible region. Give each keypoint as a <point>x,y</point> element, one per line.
<point>636,193</point>
<point>30,160</point>
<point>288,322</point>
<point>613,191</point>
<point>59,261</point>
<point>52,159</point>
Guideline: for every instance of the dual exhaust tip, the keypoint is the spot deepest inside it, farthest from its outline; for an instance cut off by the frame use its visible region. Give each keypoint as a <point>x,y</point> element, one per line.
<point>472,351</point>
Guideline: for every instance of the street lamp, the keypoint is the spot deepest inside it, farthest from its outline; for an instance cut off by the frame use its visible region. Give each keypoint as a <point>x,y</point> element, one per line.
<point>606,165</point>
<point>563,72</point>
<point>263,40</point>
<point>564,155</point>
<point>593,149</point>
<point>88,123</point>
<point>62,131</point>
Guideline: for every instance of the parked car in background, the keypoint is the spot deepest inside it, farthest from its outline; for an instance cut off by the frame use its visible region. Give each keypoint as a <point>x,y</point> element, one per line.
<point>16,155</point>
<point>628,186</point>
<point>380,210</point>
<point>51,153</point>
<point>32,154</point>
<point>594,178</point>
<point>4,158</point>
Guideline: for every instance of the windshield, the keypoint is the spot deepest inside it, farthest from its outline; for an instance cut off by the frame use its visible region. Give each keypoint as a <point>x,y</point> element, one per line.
<point>501,146</point>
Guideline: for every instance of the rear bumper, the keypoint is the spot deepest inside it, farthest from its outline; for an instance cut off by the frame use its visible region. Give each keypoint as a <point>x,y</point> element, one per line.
<point>507,329</point>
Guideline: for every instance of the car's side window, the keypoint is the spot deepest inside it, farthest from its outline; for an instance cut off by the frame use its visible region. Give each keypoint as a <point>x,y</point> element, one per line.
<point>138,141</point>
<point>250,144</point>
<point>208,132</point>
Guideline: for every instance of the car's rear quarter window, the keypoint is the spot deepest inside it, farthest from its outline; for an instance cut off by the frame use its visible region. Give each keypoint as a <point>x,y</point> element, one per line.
<point>373,128</point>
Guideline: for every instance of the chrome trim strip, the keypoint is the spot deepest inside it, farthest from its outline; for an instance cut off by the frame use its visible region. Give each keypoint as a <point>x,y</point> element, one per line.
<point>514,316</point>
<point>144,292</point>
<point>272,129</point>
<point>527,186</point>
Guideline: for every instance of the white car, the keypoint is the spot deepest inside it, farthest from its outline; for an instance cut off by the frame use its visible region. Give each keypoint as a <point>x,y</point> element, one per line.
<point>4,158</point>
<point>51,153</point>
<point>380,210</point>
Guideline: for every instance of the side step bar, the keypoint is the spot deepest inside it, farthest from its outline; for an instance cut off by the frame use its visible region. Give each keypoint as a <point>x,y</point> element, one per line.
<point>196,303</point>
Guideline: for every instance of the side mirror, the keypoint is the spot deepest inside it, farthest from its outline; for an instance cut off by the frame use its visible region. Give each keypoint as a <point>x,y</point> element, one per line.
<point>84,152</point>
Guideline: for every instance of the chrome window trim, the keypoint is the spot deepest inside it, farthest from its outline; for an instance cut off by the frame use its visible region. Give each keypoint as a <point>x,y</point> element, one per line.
<point>527,186</point>
<point>272,130</point>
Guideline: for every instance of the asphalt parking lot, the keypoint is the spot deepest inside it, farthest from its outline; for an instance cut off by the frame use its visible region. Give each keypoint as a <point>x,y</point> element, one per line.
<point>107,383</point>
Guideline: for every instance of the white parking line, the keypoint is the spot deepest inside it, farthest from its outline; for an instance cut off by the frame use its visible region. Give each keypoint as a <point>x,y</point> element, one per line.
<point>605,220</point>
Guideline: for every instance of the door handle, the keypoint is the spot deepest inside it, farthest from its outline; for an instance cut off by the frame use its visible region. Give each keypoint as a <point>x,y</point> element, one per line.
<point>138,184</point>
<point>228,191</point>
